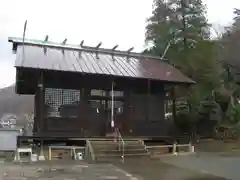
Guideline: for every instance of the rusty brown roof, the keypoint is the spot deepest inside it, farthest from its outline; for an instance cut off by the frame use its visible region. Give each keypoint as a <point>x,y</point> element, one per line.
<point>90,62</point>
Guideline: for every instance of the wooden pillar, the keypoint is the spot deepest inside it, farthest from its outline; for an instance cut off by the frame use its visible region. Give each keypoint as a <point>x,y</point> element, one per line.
<point>37,112</point>
<point>83,107</point>
<point>35,115</point>
<point>126,100</point>
<point>41,102</point>
<point>127,111</point>
<point>174,112</point>
<point>85,93</point>
<point>148,100</point>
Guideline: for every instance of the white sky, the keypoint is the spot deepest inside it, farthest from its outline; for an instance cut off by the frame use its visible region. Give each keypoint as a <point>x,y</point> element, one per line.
<point>109,21</point>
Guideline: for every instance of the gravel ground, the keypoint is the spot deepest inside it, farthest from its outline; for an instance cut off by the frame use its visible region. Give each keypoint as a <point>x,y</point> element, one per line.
<point>62,171</point>
<point>218,164</point>
<point>159,170</point>
<point>168,168</point>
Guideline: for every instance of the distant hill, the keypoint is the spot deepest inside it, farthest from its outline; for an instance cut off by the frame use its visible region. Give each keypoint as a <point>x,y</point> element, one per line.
<point>12,103</point>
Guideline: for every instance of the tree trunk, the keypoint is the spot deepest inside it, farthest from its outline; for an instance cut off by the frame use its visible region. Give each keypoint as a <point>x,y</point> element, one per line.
<point>184,24</point>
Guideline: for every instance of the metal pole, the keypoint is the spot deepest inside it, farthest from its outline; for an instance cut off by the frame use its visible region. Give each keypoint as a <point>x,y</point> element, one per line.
<point>112,113</point>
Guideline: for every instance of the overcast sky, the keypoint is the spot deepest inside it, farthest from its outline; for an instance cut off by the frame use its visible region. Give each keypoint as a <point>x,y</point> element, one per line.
<point>109,21</point>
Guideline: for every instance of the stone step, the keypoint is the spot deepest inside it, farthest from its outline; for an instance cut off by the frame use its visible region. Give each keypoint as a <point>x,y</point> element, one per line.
<point>108,150</point>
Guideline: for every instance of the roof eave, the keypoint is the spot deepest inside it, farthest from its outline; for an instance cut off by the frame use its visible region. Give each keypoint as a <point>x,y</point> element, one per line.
<point>186,82</point>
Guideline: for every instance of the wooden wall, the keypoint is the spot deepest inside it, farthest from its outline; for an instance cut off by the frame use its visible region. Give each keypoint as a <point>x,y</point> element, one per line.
<point>145,116</point>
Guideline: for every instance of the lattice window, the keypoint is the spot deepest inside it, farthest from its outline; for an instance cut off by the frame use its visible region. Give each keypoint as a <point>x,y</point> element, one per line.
<point>61,102</point>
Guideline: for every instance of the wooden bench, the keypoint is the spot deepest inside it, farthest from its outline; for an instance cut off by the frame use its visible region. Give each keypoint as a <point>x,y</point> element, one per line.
<point>71,148</point>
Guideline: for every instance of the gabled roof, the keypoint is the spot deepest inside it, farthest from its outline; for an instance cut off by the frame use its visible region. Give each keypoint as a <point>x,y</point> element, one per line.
<point>62,57</point>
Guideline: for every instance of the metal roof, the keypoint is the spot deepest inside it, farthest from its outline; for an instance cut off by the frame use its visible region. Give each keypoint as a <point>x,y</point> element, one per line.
<point>86,60</point>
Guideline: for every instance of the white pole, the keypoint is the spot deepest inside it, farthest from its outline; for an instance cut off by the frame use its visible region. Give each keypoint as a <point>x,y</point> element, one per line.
<point>112,113</point>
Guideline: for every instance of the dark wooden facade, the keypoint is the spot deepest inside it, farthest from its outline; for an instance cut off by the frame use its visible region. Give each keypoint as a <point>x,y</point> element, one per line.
<point>79,105</point>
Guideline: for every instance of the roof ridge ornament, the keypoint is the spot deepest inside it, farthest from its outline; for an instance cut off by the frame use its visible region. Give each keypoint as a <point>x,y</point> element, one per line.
<point>128,52</point>
<point>97,48</point>
<point>44,47</point>
<point>81,44</point>
<point>64,43</point>
<point>46,38</point>
<point>113,49</point>
<point>81,47</point>
<point>80,51</point>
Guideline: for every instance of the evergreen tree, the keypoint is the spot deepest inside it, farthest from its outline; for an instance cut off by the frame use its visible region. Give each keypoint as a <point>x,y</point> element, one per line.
<point>158,30</point>
<point>182,22</point>
<point>236,19</point>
